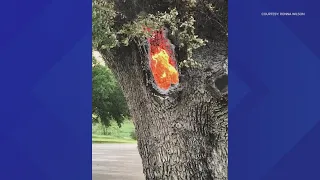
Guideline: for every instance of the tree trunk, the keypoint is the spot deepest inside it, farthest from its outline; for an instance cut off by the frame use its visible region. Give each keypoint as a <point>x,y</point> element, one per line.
<point>184,134</point>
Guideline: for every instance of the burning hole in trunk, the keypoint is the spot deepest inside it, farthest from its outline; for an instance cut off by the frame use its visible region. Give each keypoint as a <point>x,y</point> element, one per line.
<point>162,62</point>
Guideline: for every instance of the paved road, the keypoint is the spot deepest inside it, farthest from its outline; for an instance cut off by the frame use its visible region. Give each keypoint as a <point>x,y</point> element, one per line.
<point>116,162</point>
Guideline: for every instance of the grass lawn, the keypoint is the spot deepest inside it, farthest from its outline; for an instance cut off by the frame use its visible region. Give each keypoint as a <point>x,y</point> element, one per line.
<point>113,134</point>
<point>110,139</point>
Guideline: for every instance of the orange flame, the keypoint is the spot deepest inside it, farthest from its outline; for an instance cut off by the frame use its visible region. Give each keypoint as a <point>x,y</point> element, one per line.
<point>162,62</point>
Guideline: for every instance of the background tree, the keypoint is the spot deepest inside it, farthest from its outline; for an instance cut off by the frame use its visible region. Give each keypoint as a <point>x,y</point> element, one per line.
<point>182,132</point>
<point>107,98</point>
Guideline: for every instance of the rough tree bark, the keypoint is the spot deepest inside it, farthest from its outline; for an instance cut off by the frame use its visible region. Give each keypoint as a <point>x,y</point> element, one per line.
<point>184,134</point>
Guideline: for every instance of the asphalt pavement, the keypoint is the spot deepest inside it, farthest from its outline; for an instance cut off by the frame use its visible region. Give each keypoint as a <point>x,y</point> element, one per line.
<point>116,162</point>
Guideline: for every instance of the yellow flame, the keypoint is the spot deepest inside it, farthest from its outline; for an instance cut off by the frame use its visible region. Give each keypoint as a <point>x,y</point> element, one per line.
<point>164,73</point>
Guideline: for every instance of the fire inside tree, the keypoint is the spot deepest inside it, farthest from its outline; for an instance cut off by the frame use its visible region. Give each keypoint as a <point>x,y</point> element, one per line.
<point>182,134</point>
<point>162,61</point>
